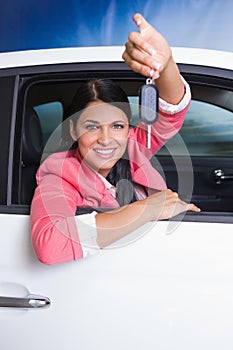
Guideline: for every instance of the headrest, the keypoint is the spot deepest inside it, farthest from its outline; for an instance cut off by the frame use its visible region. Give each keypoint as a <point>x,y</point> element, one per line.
<point>32,138</point>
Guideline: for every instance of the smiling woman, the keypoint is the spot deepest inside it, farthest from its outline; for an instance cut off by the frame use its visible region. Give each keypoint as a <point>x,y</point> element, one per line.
<point>109,164</point>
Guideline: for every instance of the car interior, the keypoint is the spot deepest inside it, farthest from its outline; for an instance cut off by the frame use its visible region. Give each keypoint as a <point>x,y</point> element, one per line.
<point>198,158</point>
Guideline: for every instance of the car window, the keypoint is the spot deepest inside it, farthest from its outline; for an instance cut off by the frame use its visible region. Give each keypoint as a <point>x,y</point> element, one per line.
<point>50,116</point>
<point>134,101</point>
<point>207,131</point>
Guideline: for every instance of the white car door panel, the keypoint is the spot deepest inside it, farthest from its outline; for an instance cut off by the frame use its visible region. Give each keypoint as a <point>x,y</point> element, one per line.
<point>162,290</point>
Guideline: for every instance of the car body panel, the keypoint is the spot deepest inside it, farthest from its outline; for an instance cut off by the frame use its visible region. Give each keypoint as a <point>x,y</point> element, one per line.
<point>202,57</point>
<point>172,287</point>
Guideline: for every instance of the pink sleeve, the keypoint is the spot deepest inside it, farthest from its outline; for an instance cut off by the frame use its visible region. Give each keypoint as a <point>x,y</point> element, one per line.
<point>166,126</point>
<point>53,227</point>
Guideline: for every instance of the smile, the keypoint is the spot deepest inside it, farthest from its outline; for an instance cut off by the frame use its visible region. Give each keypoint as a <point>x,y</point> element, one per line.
<point>105,151</point>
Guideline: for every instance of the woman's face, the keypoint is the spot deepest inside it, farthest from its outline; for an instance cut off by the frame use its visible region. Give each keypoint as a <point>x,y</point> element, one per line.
<point>102,132</point>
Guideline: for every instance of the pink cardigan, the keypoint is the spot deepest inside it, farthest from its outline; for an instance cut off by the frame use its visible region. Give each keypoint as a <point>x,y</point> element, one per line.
<point>65,182</point>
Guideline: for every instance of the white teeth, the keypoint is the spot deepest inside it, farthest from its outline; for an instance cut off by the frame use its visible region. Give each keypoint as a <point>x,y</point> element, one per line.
<point>104,151</point>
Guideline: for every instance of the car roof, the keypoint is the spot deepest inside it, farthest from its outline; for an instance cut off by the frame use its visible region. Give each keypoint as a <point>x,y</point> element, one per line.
<point>203,57</point>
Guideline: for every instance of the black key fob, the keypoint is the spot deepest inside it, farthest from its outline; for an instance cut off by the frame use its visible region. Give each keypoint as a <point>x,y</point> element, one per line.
<point>148,100</point>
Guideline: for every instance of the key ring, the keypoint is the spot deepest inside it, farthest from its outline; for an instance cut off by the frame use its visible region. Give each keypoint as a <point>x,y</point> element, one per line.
<point>149,81</point>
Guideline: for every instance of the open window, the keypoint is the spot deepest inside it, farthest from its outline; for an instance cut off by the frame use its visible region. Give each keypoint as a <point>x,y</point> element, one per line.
<point>206,132</point>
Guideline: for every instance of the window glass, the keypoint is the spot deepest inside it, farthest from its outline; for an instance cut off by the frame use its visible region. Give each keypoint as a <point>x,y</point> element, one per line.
<point>207,131</point>
<point>134,105</point>
<point>50,115</point>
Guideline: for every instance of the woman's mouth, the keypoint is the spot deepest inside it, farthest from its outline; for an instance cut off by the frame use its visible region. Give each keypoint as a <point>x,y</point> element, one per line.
<point>105,152</point>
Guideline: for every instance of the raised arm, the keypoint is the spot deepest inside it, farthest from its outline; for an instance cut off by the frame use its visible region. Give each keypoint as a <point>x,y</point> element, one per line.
<point>148,53</point>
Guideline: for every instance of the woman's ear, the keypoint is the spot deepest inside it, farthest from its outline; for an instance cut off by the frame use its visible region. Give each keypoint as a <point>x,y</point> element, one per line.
<point>72,131</point>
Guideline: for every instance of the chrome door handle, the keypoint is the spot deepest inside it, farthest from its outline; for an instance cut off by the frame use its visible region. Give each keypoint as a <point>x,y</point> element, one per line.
<point>220,176</point>
<point>29,302</point>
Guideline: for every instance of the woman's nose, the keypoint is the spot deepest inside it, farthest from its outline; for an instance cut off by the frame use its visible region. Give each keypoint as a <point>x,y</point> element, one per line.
<point>104,136</point>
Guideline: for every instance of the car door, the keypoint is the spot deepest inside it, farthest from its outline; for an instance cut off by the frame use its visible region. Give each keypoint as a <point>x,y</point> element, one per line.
<point>160,288</point>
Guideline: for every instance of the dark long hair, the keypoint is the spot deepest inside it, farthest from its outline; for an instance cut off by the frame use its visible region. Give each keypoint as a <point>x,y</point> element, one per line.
<point>107,91</point>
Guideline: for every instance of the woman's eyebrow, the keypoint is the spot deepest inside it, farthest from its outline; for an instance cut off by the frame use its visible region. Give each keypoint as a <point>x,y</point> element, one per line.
<point>98,123</point>
<point>91,121</point>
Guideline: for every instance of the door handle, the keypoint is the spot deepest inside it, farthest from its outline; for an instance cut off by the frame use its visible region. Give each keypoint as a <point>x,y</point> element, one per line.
<point>220,176</point>
<point>29,302</point>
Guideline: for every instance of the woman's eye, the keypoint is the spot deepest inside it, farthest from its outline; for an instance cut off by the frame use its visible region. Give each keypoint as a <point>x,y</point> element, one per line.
<point>118,126</point>
<point>91,127</point>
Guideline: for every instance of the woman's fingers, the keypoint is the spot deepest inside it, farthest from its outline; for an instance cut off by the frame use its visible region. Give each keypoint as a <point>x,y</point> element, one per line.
<point>140,55</point>
<point>140,61</point>
<point>146,48</point>
<point>137,61</point>
<point>167,204</point>
<point>141,23</point>
<point>173,197</point>
<point>193,207</point>
<point>137,40</point>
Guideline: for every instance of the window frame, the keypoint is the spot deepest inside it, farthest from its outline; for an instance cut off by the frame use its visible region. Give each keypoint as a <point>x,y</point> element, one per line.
<point>114,70</point>
<point>8,97</point>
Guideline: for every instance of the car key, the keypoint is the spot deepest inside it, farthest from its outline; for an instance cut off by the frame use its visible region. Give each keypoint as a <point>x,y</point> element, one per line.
<point>148,100</point>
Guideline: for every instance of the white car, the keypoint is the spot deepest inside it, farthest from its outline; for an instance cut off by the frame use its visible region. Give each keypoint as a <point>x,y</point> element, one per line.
<point>171,288</point>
